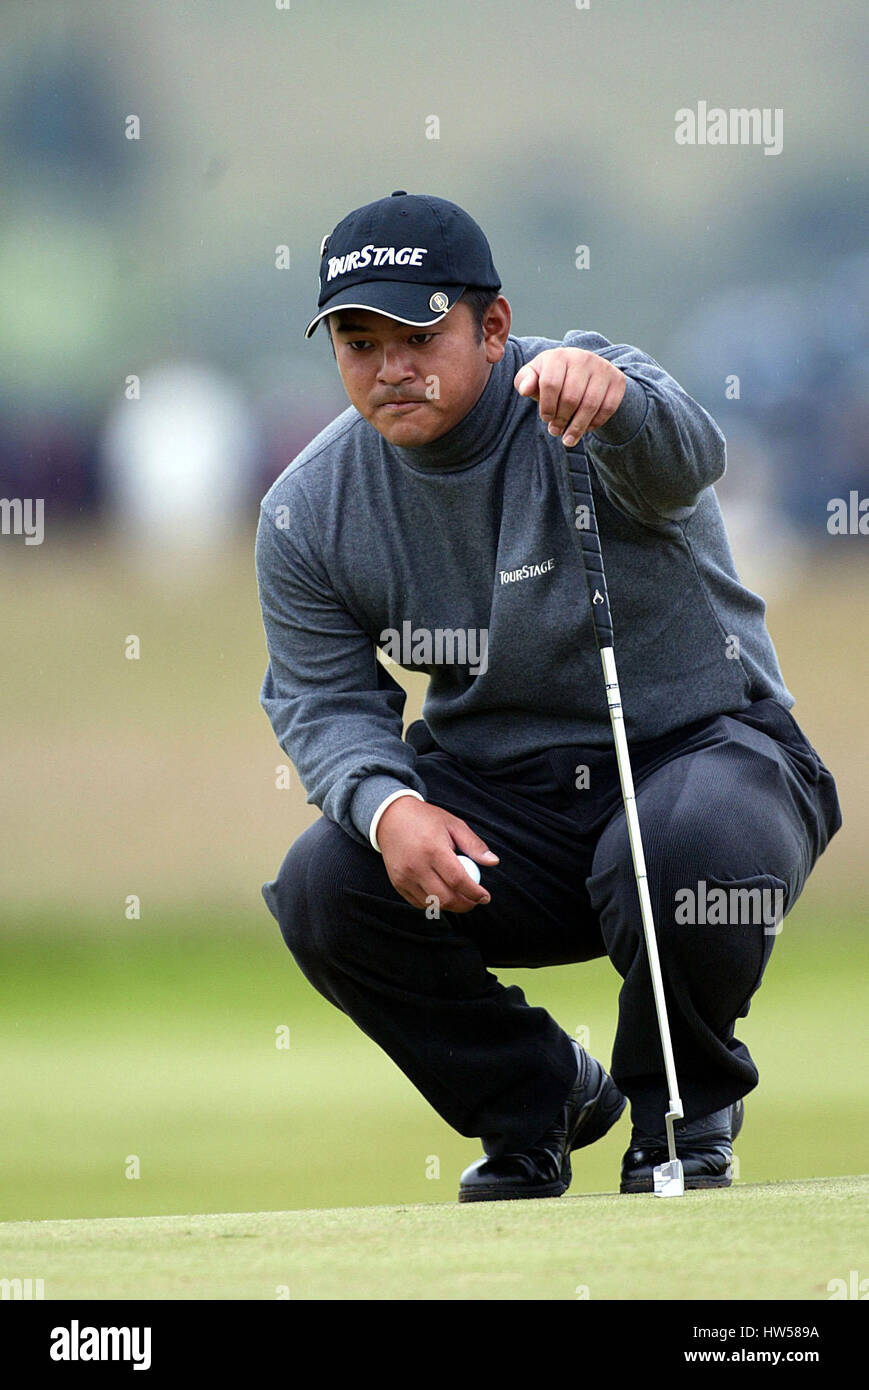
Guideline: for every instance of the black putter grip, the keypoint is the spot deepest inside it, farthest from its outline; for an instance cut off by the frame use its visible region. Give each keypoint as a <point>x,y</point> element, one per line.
<point>585,531</point>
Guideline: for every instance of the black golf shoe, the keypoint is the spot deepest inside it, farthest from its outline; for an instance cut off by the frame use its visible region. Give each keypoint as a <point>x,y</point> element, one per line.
<point>593,1106</point>
<point>705,1147</point>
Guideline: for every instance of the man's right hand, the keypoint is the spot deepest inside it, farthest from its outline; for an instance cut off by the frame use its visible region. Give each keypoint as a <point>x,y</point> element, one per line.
<point>419,843</point>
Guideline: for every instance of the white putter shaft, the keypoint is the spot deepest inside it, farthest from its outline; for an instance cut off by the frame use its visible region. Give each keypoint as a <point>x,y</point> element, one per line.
<point>669,1178</point>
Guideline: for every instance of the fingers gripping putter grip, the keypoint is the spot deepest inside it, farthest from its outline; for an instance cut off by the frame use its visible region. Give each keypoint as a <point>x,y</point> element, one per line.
<point>669,1179</point>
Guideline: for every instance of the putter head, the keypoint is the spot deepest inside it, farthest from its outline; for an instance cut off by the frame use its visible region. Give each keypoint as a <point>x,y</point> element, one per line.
<point>669,1179</point>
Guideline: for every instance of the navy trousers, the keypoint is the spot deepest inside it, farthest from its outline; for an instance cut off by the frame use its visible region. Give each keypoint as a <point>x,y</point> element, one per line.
<point>739,801</point>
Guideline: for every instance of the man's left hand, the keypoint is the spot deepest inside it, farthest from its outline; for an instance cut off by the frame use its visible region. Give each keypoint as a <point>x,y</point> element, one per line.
<point>577,390</point>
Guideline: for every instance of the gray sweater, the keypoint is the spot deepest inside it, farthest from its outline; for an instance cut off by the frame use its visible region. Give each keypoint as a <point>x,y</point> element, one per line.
<point>457,558</point>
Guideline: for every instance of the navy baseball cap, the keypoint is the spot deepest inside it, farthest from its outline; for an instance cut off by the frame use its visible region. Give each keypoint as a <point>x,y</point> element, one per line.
<point>409,256</point>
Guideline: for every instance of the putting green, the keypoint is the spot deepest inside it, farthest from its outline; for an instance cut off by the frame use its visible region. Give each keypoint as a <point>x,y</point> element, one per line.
<point>765,1241</point>
<point>141,1076</point>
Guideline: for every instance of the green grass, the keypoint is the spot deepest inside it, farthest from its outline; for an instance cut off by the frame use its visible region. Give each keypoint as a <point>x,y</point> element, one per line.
<point>154,1040</point>
<point>159,1044</point>
<point>776,1241</point>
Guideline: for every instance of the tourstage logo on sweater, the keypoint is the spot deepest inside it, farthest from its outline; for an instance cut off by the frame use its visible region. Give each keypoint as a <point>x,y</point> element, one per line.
<point>375,256</point>
<point>440,646</point>
<point>526,571</point>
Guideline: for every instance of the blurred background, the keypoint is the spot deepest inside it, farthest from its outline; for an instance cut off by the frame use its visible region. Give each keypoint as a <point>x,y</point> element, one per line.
<point>169,171</point>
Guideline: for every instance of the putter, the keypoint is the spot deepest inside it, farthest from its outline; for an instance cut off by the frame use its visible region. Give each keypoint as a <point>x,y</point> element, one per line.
<point>669,1179</point>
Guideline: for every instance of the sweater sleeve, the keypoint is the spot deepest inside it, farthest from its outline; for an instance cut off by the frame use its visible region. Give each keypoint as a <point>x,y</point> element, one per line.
<point>660,450</point>
<point>334,708</point>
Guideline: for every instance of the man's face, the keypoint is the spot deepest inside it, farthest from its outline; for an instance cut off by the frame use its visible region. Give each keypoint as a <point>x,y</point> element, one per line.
<point>412,384</point>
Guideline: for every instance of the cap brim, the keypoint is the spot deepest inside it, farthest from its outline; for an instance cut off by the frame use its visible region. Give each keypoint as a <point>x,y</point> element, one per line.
<point>395,299</point>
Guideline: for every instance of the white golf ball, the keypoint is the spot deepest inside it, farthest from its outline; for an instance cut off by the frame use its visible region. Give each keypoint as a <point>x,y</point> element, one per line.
<point>470,867</point>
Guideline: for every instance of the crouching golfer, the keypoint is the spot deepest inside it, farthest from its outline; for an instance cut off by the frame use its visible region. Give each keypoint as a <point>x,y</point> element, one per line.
<point>431,520</point>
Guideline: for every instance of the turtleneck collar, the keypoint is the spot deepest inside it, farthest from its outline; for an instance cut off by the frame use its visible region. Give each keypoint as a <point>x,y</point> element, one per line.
<point>477,435</point>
